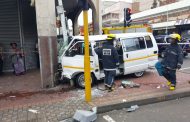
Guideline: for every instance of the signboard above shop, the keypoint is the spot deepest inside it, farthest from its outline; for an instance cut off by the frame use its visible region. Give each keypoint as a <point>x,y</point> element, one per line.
<point>182,22</point>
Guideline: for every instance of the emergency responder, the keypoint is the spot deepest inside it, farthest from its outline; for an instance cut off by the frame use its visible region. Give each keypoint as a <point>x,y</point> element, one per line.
<point>110,61</point>
<point>173,60</point>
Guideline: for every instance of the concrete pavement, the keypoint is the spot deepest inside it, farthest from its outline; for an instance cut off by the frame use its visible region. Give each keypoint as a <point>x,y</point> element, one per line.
<point>170,111</point>
<point>186,65</point>
<point>56,106</point>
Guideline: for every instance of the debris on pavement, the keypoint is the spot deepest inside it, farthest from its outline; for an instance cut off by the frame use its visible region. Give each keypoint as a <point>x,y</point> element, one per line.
<point>84,116</point>
<point>95,93</point>
<point>33,111</point>
<point>161,86</point>
<point>130,84</point>
<point>108,118</point>
<point>12,96</point>
<point>124,100</point>
<point>133,108</point>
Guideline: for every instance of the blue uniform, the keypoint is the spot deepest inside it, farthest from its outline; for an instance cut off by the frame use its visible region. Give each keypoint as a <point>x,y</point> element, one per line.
<point>173,58</point>
<point>110,61</point>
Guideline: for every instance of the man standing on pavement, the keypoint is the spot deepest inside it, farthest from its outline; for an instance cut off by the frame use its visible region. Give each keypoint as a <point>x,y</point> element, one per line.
<point>110,60</point>
<point>173,60</point>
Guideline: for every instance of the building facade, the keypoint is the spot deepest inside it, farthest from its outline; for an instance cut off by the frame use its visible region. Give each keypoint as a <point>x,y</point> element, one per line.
<point>142,5</point>
<point>171,16</point>
<point>112,14</point>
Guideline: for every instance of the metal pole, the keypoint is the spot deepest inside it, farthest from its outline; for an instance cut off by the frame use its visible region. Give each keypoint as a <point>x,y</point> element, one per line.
<point>63,23</point>
<point>21,29</point>
<point>167,21</point>
<point>87,73</point>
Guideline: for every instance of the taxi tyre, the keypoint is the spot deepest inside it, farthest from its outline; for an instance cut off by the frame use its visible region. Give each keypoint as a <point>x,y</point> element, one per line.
<point>138,74</point>
<point>79,80</point>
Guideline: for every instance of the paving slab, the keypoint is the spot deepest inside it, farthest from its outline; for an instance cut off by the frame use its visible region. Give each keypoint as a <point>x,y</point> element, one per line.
<point>60,105</point>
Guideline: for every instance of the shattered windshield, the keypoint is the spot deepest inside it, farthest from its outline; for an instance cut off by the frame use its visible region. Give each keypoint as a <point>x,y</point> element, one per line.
<point>62,45</point>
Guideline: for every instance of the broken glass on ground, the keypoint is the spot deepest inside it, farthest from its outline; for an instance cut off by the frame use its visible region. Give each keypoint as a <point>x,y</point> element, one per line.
<point>131,84</point>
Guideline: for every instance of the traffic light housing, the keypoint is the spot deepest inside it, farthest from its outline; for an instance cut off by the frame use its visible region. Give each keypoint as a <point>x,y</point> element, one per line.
<point>84,4</point>
<point>127,17</point>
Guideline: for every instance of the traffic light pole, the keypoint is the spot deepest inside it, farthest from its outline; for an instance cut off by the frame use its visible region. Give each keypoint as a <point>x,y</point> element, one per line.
<point>127,17</point>
<point>87,73</point>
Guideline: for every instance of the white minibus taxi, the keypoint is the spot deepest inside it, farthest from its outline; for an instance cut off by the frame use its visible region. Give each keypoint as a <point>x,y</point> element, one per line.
<point>137,53</point>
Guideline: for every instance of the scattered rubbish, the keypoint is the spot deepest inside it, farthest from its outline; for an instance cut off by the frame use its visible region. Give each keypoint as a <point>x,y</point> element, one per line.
<point>130,84</point>
<point>1,93</point>
<point>189,82</point>
<point>85,116</point>
<point>124,100</point>
<point>33,111</point>
<point>12,96</point>
<point>133,108</point>
<point>163,85</point>
<point>66,120</point>
<point>108,118</point>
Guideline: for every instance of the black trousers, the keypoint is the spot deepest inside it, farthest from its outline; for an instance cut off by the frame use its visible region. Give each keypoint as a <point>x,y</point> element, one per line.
<point>109,77</point>
<point>170,75</point>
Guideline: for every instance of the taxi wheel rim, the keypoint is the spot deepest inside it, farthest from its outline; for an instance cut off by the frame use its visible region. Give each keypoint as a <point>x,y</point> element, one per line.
<point>139,74</point>
<point>81,80</point>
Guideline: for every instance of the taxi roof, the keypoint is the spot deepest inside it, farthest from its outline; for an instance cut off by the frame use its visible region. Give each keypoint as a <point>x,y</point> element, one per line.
<point>123,35</point>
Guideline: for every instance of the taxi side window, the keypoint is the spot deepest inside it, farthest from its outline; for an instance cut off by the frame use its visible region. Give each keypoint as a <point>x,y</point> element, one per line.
<point>133,44</point>
<point>148,42</point>
<point>77,49</point>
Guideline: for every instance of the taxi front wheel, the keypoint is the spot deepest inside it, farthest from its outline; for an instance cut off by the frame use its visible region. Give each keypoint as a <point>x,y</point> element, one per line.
<point>80,80</point>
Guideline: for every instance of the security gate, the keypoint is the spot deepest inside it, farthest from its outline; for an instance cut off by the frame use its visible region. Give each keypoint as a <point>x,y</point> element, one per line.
<point>18,24</point>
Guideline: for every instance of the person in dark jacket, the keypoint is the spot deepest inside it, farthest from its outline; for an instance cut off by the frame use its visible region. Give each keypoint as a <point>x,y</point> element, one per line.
<point>110,60</point>
<point>173,60</point>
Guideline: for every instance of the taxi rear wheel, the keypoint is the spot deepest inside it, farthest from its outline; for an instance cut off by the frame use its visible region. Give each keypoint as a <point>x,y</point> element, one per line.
<point>138,74</point>
<point>80,80</point>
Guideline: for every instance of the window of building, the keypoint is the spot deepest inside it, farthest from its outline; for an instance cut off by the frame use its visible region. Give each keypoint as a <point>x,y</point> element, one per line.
<point>148,42</point>
<point>132,44</point>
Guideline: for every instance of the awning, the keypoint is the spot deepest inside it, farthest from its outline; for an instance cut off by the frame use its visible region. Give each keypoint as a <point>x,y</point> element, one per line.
<point>184,4</point>
<point>170,8</point>
<point>183,22</point>
<point>163,25</point>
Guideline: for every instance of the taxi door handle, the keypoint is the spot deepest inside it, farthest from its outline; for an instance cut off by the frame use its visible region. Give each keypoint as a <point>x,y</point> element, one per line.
<point>155,52</point>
